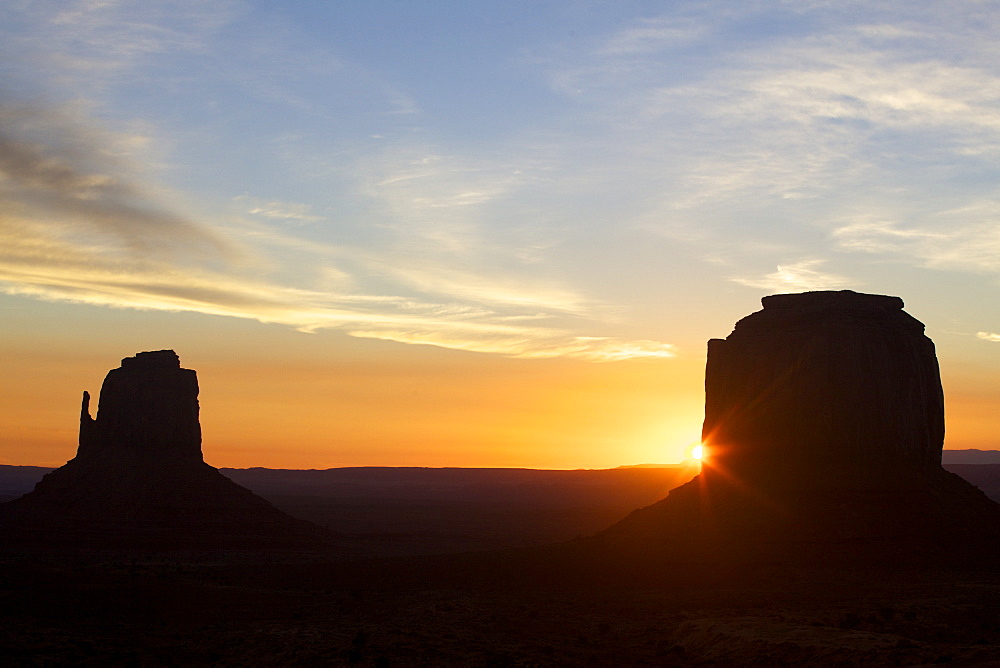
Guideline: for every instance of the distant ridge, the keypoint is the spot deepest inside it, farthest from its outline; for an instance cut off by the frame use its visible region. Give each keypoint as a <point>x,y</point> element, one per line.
<point>392,511</point>
<point>654,466</point>
<point>970,457</point>
<point>374,481</point>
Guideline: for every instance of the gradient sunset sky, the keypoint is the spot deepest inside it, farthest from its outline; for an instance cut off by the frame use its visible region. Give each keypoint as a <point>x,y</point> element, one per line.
<point>462,233</point>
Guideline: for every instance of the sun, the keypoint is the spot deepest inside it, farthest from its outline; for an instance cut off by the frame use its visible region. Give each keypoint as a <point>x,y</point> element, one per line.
<point>698,451</point>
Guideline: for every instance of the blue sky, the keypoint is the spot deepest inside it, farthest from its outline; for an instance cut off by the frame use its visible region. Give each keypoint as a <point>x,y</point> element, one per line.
<point>590,180</point>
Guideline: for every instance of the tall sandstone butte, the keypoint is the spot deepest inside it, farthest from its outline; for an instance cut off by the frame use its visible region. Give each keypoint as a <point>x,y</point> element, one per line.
<point>823,388</point>
<point>824,426</point>
<point>139,478</point>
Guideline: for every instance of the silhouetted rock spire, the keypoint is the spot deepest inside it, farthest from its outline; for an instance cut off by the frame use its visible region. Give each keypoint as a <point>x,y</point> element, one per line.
<point>139,479</point>
<point>150,405</point>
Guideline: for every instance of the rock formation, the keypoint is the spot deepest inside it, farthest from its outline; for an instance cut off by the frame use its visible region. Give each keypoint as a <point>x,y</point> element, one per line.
<point>139,480</point>
<point>824,426</point>
<point>823,388</point>
<point>150,406</point>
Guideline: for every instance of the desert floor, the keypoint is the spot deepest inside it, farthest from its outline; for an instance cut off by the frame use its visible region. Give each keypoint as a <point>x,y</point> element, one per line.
<point>92,608</point>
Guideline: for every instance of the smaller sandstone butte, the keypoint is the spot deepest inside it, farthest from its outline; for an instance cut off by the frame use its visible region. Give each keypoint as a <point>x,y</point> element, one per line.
<point>149,405</point>
<point>139,479</point>
<point>824,423</point>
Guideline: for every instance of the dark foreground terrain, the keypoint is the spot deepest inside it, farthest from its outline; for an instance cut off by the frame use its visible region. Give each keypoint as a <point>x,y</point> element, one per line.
<point>524,606</point>
<point>200,609</point>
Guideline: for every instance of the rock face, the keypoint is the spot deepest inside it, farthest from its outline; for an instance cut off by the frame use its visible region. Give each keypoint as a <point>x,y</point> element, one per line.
<point>824,424</point>
<point>139,480</point>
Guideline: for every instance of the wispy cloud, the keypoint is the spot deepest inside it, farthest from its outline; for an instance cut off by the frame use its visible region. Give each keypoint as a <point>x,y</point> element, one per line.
<point>84,221</point>
<point>437,201</point>
<point>70,180</point>
<point>534,345</point>
<point>667,141</point>
<point>879,236</point>
<point>76,227</point>
<point>738,139</point>
<point>989,336</point>
<point>652,35</point>
<point>798,276</point>
<point>966,239</point>
<point>89,46</point>
<point>296,212</point>
<point>45,267</point>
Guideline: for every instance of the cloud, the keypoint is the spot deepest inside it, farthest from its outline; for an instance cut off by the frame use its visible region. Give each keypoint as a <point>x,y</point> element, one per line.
<point>60,180</point>
<point>47,268</point>
<point>878,236</point>
<point>59,272</point>
<point>798,276</point>
<point>653,35</point>
<point>454,232</point>
<point>727,141</point>
<point>729,132</point>
<point>295,212</point>
<point>435,278</point>
<point>989,336</point>
<point>535,345</point>
<point>436,201</point>
<point>79,223</point>
<point>966,239</point>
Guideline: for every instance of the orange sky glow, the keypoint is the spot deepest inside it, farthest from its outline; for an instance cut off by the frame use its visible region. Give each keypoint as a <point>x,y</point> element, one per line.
<point>478,234</point>
<point>310,404</point>
<point>307,404</point>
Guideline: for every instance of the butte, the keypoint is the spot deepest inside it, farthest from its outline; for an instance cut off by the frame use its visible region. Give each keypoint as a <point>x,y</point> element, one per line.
<point>139,479</point>
<point>824,426</point>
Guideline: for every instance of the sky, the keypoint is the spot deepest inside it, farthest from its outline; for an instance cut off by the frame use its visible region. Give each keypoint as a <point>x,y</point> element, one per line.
<point>436,233</point>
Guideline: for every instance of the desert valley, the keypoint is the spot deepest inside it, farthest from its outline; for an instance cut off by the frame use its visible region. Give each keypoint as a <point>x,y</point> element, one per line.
<point>850,547</point>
